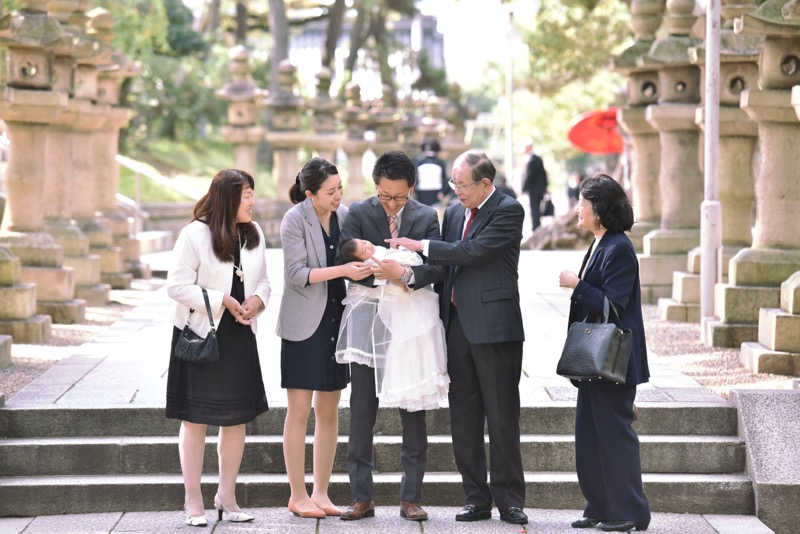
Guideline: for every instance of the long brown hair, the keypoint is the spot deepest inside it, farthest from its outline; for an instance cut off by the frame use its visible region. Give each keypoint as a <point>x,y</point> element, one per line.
<point>218,209</point>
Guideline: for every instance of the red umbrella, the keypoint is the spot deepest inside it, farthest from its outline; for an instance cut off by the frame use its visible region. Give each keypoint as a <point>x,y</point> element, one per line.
<point>596,132</point>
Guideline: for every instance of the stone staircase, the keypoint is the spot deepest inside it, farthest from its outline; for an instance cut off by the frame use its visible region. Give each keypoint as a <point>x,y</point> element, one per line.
<point>89,460</point>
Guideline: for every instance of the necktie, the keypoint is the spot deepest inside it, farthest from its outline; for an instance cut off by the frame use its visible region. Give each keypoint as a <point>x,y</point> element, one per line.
<point>393,226</point>
<point>473,212</point>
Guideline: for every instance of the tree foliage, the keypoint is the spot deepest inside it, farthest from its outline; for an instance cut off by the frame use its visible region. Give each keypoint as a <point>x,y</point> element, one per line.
<point>572,40</point>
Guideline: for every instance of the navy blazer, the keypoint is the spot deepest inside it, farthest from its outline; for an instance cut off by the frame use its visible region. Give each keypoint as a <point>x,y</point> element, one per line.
<point>367,220</point>
<point>483,269</point>
<point>613,271</point>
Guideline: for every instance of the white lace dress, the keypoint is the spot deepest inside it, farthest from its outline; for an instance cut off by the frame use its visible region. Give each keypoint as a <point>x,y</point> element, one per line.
<point>400,335</point>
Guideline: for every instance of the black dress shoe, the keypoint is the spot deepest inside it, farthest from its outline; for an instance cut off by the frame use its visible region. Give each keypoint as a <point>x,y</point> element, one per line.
<point>514,515</point>
<point>471,512</point>
<point>585,522</point>
<point>622,526</point>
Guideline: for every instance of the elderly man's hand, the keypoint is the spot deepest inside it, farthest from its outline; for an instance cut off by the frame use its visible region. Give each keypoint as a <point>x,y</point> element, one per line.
<point>410,244</point>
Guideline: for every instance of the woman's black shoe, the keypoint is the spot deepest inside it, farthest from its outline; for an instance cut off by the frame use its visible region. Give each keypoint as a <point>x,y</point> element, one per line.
<point>622,526</point>
<point>585,522</point>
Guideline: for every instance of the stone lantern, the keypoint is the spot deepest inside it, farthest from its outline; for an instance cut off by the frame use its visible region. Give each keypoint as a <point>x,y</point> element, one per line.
<point>111,235</point>
<point>737,139</point>
<point>642,91</point>
<point>325,139</point>
<point>283,132</point>
<point>408,126</point>
<point>385,120</point>
<point>244,99</point>
<point>756,302</point>
<point>356,119</point>
<point>28,106</point>
<point>679,178</point>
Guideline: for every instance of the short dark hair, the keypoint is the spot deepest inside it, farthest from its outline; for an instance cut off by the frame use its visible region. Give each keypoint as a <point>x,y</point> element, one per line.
<point>609,202</point>
<point>482,167</point>
<point>394,165</point>
<point>348,250</point>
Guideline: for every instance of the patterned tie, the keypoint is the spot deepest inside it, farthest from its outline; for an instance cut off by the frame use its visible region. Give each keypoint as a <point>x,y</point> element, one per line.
<point>473,212</point>
<point>393,226</point>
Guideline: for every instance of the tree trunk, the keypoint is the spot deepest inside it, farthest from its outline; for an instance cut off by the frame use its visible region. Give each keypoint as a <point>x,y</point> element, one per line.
<point>382,48</point>
<point>357,37</point>
<point>241,23</point>
<point>335,21</point>
<point>213,18</point>
<point>279,28</point>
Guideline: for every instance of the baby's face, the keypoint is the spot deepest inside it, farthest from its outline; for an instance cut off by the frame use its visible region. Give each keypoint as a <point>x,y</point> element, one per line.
<point>365,250</point>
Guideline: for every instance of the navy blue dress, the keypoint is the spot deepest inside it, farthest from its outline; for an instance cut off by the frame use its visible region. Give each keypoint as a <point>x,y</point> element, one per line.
<point>311,364</point>
<point>228,392</point>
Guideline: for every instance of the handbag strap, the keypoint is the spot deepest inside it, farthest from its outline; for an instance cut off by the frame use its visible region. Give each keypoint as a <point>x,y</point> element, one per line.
<point>208,310</point>
<point>606,304</point>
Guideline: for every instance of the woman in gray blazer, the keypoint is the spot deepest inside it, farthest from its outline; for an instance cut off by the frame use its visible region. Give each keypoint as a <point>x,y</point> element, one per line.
<point>308,324</point>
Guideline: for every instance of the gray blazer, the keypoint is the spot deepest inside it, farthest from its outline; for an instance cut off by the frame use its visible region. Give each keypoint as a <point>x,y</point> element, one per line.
<point>303,246</point>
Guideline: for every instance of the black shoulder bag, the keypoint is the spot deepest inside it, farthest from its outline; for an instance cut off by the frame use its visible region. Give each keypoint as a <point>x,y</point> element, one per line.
<point>195,349</point>
<point>596,350</point>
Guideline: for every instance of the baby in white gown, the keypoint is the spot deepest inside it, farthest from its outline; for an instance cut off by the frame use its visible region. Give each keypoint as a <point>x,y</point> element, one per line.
<point>396,331</point>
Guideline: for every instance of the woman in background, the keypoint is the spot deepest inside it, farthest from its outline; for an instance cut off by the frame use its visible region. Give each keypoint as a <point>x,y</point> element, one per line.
<point>221,250</point>
<point>308,325</point>
<point>606,446</point>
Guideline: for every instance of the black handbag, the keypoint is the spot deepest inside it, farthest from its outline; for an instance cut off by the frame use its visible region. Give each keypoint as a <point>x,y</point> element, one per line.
<point>596,350</point>
<point>195,349</point>
<point>546,207</point>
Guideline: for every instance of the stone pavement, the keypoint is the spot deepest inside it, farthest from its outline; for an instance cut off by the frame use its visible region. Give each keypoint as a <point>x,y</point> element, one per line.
<point>126,365</point>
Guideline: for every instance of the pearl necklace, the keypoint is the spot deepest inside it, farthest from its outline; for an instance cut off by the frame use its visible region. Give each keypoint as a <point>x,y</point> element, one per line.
<point>239,271</point>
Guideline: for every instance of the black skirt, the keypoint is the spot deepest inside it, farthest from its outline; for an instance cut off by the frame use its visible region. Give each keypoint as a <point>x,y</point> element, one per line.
<point>226,393</point>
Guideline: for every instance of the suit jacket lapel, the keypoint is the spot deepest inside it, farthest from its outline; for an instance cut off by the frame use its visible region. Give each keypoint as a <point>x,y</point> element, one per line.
<point>407,220</point>
<point>483,215</point>
<point>380,219</point>
<point>315,232</point>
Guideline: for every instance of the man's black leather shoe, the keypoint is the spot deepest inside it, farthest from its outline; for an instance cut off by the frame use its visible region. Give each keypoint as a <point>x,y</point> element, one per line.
<point>585,522</point>
<point>514,516</point>
<point>622,526</point>
<point>471,512</point>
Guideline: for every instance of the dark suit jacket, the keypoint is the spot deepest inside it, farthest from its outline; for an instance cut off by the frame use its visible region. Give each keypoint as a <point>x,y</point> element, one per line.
<point>367,220</point>
<point>613,271</point>
<point>535,183</point>
<point>483,269</point>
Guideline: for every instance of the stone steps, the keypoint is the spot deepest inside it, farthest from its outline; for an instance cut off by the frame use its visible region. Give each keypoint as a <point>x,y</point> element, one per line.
<point>49,495</point>
<point>264,454</point>
<point>83,460</point>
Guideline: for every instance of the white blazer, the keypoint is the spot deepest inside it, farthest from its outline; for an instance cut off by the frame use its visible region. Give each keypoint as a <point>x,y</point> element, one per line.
<point>303,246</point>
<point>195,266</point>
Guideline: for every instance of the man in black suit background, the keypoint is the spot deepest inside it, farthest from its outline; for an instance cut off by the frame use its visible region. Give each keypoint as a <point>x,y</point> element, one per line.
<point>479,306</point>
<point>390,213</point>
<point>534,182</point>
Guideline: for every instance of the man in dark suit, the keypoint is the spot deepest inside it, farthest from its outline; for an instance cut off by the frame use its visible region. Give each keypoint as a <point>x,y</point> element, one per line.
<point>534,182</point>
<point>391,213</point>
<point>479,306</point>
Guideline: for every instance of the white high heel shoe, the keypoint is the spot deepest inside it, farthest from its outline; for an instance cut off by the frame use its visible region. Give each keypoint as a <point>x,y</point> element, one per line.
<point>196,520</point>
<point>233,517</point>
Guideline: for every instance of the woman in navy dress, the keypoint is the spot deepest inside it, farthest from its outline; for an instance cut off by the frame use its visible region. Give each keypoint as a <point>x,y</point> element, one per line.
<point>606,446</point>
<point>221,250</point>
<point>308,325</point>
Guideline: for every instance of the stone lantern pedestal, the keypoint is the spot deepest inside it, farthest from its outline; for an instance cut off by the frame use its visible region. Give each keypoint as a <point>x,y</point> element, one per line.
<point>283,132</point>
<point>643,91</point>
<point>324,140</point>
<point>18,315</point>
<point>356,118</point>
<point>755,274</point>
<point>736,193</point>
<point>680,181</point>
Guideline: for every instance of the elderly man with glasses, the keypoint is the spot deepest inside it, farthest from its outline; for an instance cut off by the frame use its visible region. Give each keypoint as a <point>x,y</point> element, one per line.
<point>389,214</point>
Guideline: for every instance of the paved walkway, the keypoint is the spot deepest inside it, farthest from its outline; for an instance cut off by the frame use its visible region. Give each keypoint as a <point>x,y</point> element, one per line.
<point>127,363</point>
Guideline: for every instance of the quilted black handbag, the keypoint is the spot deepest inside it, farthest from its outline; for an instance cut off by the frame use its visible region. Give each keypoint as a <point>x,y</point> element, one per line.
<point>596,350</point>
<point>195,349</point>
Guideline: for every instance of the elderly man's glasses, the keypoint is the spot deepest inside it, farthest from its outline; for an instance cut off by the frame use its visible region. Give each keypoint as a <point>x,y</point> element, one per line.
<point>460,187</point>
<point>400,199</point>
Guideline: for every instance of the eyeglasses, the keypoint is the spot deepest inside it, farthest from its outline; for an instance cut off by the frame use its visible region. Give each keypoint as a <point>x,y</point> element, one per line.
<point>400,199</point>
<point>459,187</point>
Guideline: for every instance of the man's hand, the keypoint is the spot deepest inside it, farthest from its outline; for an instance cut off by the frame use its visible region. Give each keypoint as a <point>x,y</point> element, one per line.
<point>387,270</point>
<point>405,242</point>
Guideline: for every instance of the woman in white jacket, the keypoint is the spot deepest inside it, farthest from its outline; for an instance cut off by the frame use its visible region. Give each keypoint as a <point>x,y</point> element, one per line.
<point>221,250</point>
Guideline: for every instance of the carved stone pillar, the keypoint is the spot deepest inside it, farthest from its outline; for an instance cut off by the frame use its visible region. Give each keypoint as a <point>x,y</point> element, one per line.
<point>356,118</point>
<point>737,139</point>
<point>642,91</point>
<point>679,178</point>
<point>284,132</point>
<point>325,140</point>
